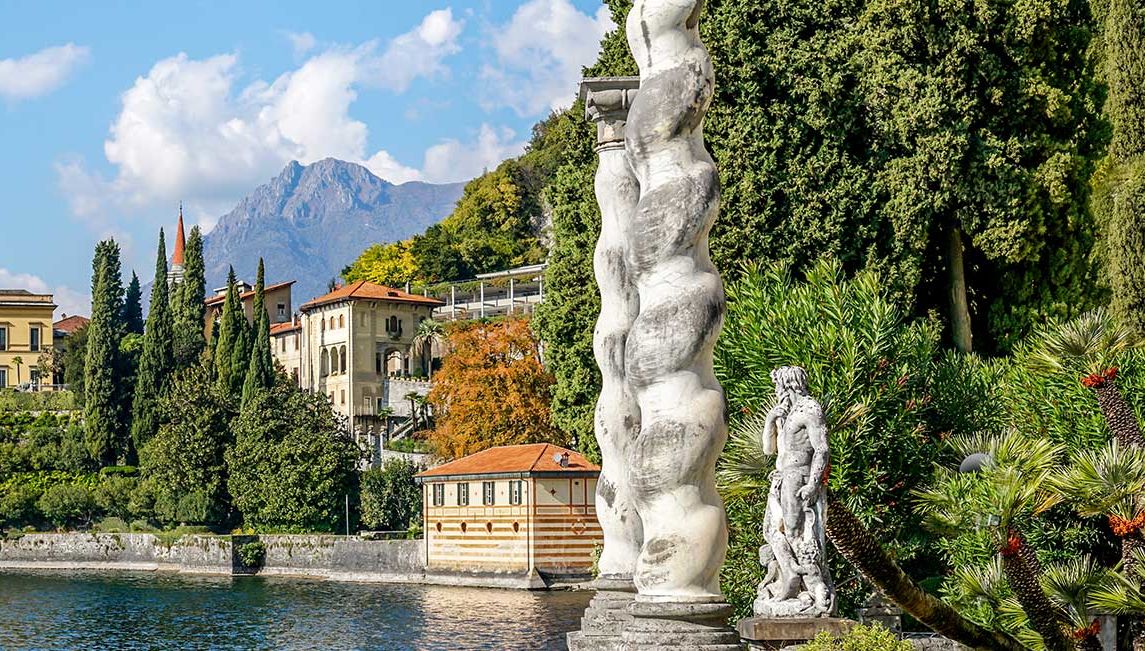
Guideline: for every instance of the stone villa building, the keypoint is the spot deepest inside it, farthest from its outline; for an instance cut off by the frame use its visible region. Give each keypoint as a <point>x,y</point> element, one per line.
<point>25,334</point>
<point>521,509</point>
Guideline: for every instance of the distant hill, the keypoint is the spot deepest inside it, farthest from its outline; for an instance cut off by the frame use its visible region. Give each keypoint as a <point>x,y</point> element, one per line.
<point>311,221</point>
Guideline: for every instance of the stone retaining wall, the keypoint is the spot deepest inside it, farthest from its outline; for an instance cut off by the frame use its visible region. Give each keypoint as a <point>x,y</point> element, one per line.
<point>128,551</point>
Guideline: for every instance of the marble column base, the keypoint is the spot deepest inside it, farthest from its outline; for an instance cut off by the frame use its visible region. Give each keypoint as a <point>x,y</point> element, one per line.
<point>605,617</point>
<point>766,633</point>
<point>658,625</point>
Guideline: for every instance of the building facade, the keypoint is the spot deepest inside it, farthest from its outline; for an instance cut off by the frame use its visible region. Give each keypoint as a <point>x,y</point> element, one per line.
<point>25,334</point>
<point>276,298</point>
<point>353,344</point>
<point>515,509</point>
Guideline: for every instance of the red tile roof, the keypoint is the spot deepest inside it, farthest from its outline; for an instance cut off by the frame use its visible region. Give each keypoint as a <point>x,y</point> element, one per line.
<point>281,328</point>
<point>367,291</point>
<point>529,458</point>
<point>218,300</point>
<point>70,324</point>
<point>177,257</point>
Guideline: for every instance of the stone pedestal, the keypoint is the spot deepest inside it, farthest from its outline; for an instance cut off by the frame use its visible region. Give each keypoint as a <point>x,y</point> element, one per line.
<point>606,616</point>
<point>674,625</point>
<point>762,633</point>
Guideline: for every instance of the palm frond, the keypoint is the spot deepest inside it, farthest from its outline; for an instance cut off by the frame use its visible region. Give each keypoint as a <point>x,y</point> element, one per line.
<point>1106,481</point>
<point>1088,344</point>
<point>1070,584</point>
<point>745,469</point>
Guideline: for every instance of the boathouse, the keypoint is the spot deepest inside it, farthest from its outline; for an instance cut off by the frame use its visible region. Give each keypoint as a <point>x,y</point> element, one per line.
<point>524,510</point>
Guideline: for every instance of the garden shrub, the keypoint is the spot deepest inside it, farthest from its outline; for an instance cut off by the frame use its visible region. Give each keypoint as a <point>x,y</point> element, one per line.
<point>18,505</point>
<point>252,554</point>
<point>112,525</point>
<point>67,505</point>
<point>860,638</point>
<point>391,499</point>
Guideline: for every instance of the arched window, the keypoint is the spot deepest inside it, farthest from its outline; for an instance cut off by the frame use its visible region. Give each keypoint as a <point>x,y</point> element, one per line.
<point>342,362</point>
<point>325,362</point>
<point>331,322</point>
<point>322,323</point>
<point>341,321</point>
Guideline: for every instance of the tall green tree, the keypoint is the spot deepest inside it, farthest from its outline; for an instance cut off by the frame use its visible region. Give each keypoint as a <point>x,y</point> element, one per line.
<point>231,353</point>
<point>133,307</point>
<point>187,304</point>
<point>157,361</point>
<point>260,368</point>
<point>104,415</point>
<point>1120,182</point>
<point>184,464</point>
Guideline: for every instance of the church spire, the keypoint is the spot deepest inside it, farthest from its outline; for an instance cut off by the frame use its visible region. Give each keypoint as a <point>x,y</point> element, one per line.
<point>180,241</point>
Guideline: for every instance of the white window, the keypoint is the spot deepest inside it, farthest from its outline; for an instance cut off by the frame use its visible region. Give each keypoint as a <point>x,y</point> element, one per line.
<point>3,378</point>
<point>282,309</point>
<point>463,494</point>
<point>34,339</point>
<point>438,494</point>
<point>35,377</point>
<point>488,494</point>
<point>515,492</point>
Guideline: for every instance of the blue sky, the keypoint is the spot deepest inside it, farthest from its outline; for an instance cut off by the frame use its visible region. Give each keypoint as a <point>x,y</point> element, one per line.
<point>112,112</point>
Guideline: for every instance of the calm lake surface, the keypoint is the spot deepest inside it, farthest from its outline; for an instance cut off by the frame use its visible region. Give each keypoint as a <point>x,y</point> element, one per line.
<point>145,610</point>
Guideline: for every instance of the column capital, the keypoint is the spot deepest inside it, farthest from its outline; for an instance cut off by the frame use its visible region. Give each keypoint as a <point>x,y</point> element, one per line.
<point>606,102</point>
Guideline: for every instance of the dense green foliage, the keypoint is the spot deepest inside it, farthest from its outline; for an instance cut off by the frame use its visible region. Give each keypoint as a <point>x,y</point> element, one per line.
<point>232,353</point>
<point>184,465</point>
<point>860,638</point>
<point>133,307</point>
<point>187,310</point>
<point>260,369</point>
<point>1119,186</point>
<point>157,360</point>
<point>104,411</point>
<point>292,463</point>
<point>391,499</point>
<point>888,392</point>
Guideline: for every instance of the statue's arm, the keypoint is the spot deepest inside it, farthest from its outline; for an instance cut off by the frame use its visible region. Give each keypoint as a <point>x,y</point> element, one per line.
<point>771,433</point>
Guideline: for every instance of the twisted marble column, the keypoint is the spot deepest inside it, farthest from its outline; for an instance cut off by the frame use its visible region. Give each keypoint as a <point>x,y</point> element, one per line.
<point>668,353</point>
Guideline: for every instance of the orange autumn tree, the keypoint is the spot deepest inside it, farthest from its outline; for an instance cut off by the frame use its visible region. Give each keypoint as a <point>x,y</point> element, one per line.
<point>492,390</point>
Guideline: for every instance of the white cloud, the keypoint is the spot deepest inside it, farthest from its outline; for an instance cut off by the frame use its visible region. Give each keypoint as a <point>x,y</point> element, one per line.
<point>41,72</point>
<point>69,301</point>
<point>301,43</point>
<point>189,129</point>
<point>540,53</point>
<point>452,160</point>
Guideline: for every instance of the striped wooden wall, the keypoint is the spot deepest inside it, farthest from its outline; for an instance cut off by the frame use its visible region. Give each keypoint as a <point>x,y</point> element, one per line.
<point>553,530</point>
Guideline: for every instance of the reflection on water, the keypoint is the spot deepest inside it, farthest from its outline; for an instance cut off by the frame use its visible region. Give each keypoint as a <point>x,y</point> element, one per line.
<point>122,610</point>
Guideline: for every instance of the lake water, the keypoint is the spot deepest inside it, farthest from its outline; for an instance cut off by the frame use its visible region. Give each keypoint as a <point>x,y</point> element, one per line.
<point>145,610</point>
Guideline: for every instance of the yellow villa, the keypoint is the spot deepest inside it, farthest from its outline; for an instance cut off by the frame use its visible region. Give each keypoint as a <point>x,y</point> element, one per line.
<point>25,334</point>
<point>526,510</point>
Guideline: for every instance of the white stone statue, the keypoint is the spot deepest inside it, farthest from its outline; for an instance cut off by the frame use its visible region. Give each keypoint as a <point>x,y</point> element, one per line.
<point>797,582</point>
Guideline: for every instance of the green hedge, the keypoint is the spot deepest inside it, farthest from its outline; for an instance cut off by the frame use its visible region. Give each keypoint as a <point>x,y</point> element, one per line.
<point>37,401</point>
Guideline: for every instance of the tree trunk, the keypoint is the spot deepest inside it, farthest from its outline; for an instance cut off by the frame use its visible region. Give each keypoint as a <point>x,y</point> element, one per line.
<point>959,303</point>
<point>1045,618</point>
<point>858,546</point>
<point>1119,416</point>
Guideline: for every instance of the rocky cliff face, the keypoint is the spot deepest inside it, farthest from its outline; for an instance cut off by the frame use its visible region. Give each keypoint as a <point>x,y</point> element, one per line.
<point>312,220</point>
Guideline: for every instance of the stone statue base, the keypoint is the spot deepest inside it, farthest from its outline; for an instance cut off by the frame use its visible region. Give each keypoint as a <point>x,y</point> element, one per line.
<point>801,608</point>
<point>606,616</point>
<point>769,633</point>
<point>670,625</point>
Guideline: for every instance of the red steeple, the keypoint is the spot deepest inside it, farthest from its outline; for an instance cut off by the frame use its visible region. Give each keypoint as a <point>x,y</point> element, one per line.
<point>177,257</point>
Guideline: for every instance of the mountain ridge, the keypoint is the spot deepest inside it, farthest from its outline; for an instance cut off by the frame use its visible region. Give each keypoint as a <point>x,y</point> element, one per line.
<point>310,221</point>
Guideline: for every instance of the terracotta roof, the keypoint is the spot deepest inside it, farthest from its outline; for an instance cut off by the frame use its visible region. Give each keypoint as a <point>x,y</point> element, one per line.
<point>70,324</point>
<point>529,458</point>
<point>218,299</point>
<point>180,241</point>
<point>367,291</point>
<point>280,328</point>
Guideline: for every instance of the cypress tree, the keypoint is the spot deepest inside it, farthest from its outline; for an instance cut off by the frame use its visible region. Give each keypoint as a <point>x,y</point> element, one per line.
<point>157,361</point>
<point>133,307</point>
<point>187,299</point>
<point>232,351</point>
<point>260,369</point>
<point>1120,183</point>
<point>103,412</point>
